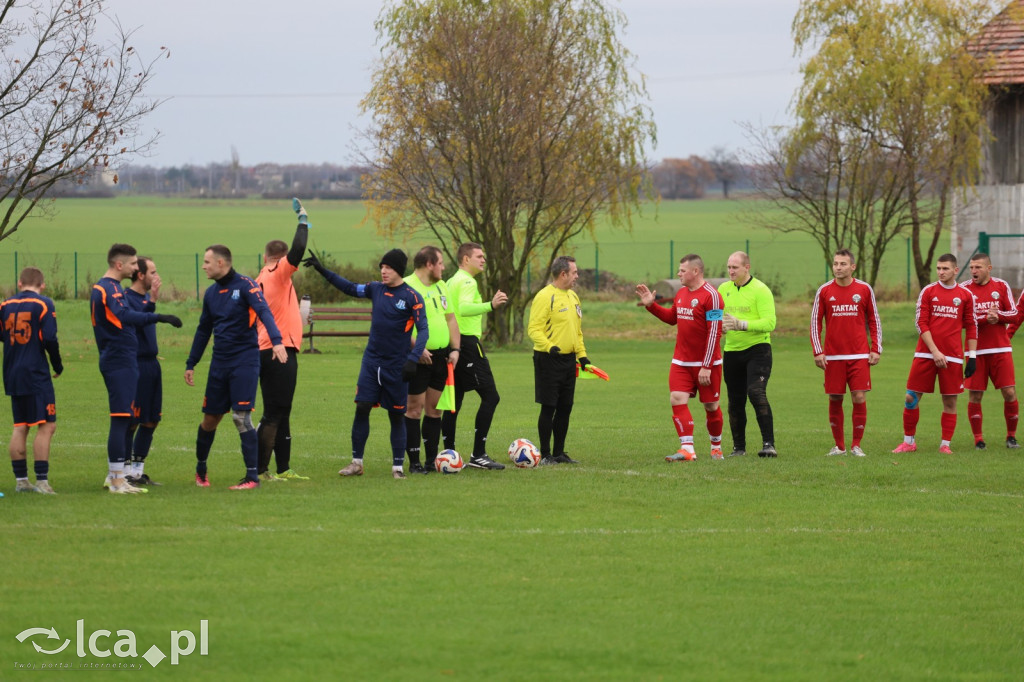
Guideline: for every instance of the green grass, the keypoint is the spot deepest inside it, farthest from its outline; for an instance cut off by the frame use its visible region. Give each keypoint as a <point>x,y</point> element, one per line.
<point>624,567</point>
<point>174,231</point>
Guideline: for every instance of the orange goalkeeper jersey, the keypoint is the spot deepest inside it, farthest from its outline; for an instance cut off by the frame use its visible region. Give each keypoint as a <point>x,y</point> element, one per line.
<point>276,281</point>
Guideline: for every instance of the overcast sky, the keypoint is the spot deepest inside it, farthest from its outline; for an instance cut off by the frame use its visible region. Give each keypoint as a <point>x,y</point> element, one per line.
<point>281,80</point>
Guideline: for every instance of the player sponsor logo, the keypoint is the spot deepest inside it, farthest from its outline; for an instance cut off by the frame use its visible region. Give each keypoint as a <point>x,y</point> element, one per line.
<point>235,295</point>
<point>98,644</point>
<point>856,298</point>
<point>400,304</point>
<point>444,303</point>
<point>995,295</point>
<point>956,301</point>
<point>693,303</point>
<point>831,298</point>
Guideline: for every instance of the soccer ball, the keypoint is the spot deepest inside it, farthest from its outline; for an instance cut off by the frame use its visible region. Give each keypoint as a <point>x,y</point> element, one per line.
<point>523,453</point>
<point>448,462</point>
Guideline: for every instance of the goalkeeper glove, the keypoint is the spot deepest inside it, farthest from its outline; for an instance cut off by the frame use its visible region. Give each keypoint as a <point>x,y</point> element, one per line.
<point>172,320</point>
<point>731,324</point>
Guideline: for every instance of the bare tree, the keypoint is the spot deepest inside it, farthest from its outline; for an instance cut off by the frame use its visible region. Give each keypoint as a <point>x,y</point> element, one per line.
<point>71,99</point>
<point>840,188</point>
<point>726,168</point>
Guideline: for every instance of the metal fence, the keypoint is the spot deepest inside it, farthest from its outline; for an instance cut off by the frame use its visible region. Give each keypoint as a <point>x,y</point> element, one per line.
<point>791,268</point>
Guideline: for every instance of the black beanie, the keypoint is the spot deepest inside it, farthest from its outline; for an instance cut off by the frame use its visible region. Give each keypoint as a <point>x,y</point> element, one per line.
<point>396,260</point>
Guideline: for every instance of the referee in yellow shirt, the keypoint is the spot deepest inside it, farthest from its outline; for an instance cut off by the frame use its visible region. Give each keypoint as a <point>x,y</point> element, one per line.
<point>557,334</point>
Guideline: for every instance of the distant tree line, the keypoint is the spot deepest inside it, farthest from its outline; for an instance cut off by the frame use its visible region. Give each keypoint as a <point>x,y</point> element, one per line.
<point>222,180</point>
<point>674,178</point>
<point>694,176</point>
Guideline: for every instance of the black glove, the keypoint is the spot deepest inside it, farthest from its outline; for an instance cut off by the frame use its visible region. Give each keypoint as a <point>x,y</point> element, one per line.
<point>408,371</point>
<point>970,366</point>
<point>172,320</point>
<point>584,361</point>
<point>313,262</point>
<point>555,350</point>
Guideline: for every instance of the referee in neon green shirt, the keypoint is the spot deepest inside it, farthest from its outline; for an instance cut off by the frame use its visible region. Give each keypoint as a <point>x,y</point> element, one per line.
<point>473,373</point>
<point>748,320</point>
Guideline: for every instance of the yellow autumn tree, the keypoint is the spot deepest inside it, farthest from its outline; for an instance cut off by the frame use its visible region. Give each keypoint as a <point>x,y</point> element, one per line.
<point>515,124</point>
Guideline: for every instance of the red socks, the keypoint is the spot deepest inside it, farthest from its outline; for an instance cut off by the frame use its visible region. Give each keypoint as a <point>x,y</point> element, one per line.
<point>860,420</point>
<point>948,426</point>
<point>835,420</point>
<point>683,420</point>
<point>910,418</point>
<point>715,423</point>
<point>974,415</point>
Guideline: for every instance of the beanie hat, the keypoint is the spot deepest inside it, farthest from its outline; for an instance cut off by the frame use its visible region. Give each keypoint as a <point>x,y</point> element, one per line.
<point>396,260</point>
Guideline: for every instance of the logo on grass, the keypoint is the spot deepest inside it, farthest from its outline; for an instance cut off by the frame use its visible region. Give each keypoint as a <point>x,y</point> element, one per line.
<point>101,644</point>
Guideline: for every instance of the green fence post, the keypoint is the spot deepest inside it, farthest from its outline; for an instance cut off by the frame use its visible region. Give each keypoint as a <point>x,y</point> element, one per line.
<point>76,274</point>
<point>15,269</point>
<point>983,243</point>
<point>197,276</point>
<point>597,271</point>
<point>671,256</point>
<point>748,248</point>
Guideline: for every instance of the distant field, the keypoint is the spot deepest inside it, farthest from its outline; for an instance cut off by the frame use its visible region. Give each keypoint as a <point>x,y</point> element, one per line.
<point>177,231</point>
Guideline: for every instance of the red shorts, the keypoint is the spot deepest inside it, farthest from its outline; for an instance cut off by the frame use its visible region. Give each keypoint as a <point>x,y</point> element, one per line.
<point>922,377</point>
<point>842,373</point>
<point>684,380</point>
<point>997,366</point>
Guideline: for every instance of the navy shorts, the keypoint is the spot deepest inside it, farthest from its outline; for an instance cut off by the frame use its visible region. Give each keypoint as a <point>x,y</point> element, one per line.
<point>231,389</point>
<point>33,410</point>
<point>382,386</point>
<point>149,393</point>
<point>121,384</point>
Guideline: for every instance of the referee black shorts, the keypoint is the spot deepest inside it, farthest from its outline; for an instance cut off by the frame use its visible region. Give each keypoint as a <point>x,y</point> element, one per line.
<point>431,376</point>
<point>554,378</point>
<point>473,372</point>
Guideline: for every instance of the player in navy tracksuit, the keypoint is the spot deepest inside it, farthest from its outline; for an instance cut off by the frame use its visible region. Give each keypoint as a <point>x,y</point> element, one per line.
<point>28,330</point>
<point>142,296</point>
<point>230,308</point>
<point>390,359</point>
<point>113,324</point>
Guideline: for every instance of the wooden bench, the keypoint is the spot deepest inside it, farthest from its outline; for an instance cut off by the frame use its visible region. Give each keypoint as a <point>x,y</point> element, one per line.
<point>321,314</point>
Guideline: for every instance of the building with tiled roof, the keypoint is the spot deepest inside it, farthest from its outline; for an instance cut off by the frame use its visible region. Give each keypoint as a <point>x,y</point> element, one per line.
<point>995,206</point>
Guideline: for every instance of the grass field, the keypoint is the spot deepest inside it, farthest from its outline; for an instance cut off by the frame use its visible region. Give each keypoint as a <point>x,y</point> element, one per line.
<point>176,232</point>
<point>621,568</point>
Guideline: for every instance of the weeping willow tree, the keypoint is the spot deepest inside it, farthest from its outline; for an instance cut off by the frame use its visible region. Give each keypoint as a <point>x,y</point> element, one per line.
<point>516,124</point>
<point>890,122</point>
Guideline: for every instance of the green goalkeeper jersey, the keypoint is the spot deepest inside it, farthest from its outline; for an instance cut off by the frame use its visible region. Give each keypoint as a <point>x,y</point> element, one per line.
<point>754,303</point>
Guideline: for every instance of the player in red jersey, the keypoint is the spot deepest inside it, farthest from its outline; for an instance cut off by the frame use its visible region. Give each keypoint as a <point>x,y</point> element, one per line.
<point>993,310</point>
<point>697,359</point>
<point>944,312</point>
<point>847,307</point>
